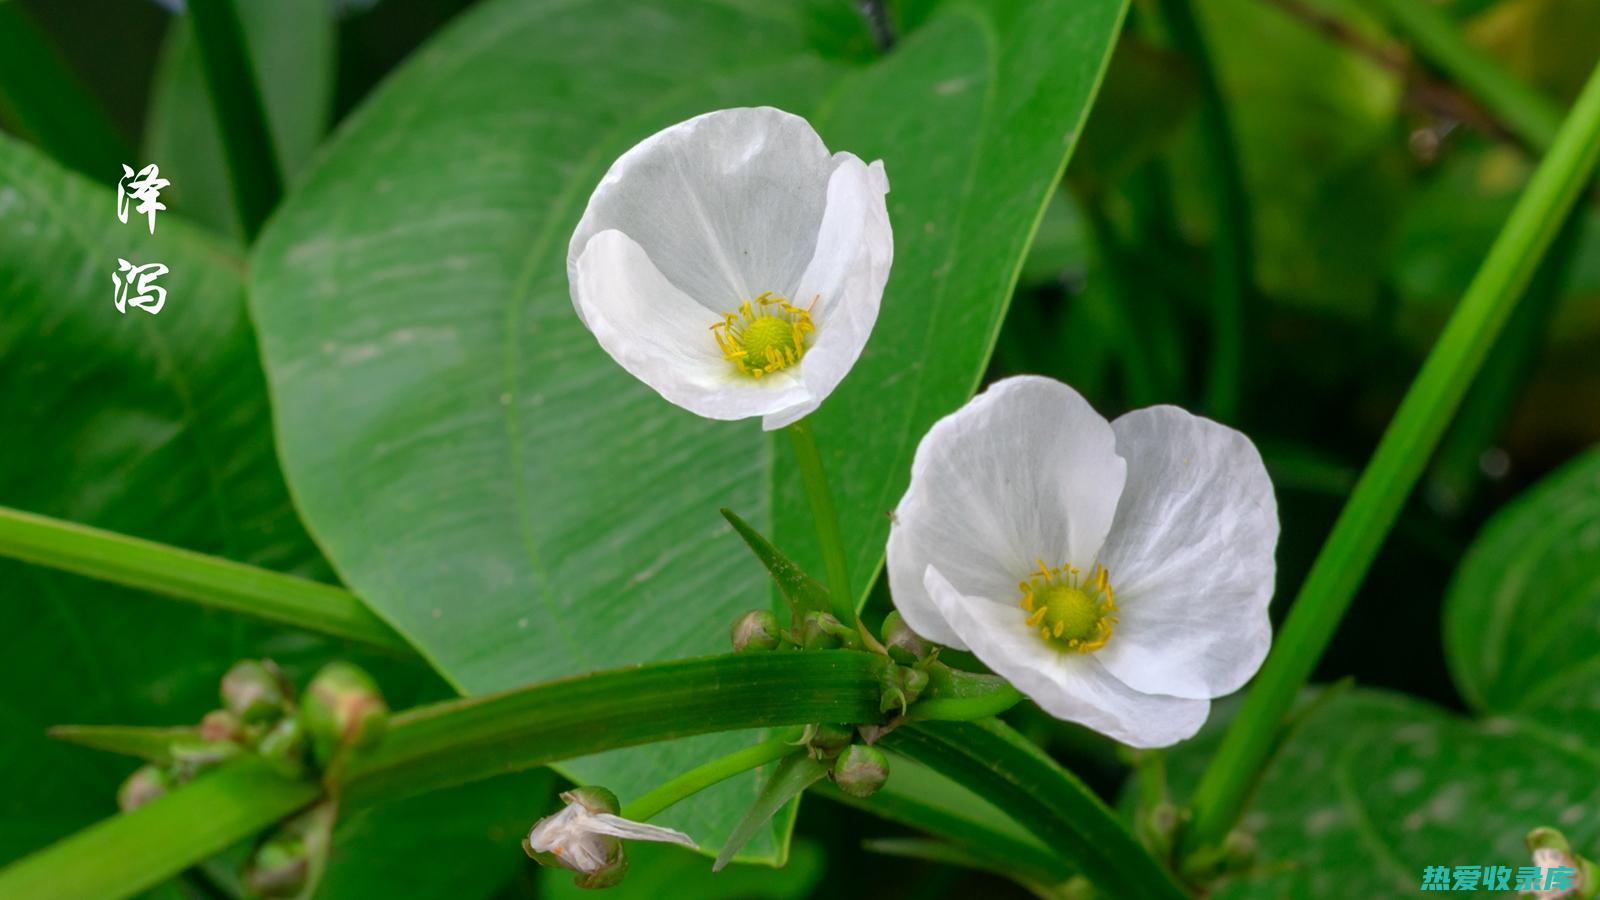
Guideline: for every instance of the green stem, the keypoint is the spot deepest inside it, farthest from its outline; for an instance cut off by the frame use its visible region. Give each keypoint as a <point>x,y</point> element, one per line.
<point>1527,113</point>
<point>43,99</point>
<point>187,575</point>
<point>718,770</point>
<point>1230,259</point>
<point>230,76</point>
<point>1396,465</point>
<point>826,517</point>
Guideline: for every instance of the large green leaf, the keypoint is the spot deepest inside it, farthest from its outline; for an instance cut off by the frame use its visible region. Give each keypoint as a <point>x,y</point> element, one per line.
<point>1378,785</point>
<point>155,426</point>
<point>476,466</point>
<point>292,46</point>
<point>1523,609</point>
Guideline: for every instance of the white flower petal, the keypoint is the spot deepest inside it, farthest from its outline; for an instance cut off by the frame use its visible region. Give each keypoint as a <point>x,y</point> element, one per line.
<point>663,338</point>
<point>1067,685</point>
<point>617,826</point>
<point>1026,470</point>
<point>727,204</point>
<point>845,277</point>
<point>1190,555</point>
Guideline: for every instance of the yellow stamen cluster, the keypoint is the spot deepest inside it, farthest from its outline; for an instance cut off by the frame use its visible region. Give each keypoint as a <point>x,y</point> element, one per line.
<point>764,336</point>
<point>1072,610</point>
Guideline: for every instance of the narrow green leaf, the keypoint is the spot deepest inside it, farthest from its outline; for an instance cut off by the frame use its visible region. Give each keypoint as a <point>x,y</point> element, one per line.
<point>127,853</point>
<point>153,743</point>
<point>208,580</point>
<point>1013,774</point>
<point>919,798</point>
<point>1397,463</point>
<point>45,101</point>
<point>236,100</point>
<point>793,775</point>
<point>803,592</point>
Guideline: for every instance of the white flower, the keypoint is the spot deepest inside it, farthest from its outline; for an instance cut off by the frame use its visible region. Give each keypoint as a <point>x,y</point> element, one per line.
<point>1117,573</point>
<point>734,265</point>
<point>583,835</point>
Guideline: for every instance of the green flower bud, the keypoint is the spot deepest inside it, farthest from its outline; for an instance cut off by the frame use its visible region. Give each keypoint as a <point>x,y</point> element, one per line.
<point>255,691</point>
<point>860,770</point>
<point>285,747</point>
<point>342,708</point>
<point>594,798</point>
<point>827,741</point>
<point>144,785</point>
<point>756,630</point>
<point>279,868</point>
<point>191,756</point>
<point>901,687</point>
<point>823,631</point>
<point>904,645</point>
<point>220,725</point>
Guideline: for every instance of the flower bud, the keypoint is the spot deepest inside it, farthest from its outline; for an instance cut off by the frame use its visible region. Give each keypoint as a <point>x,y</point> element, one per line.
<point>342,708</point>
<point>756,630</point>
<point>220,725</point>
<point>144,785</point>
<point>860,770</point>
<point>279,868</point>
<point>255,691</point>
<point>901,687</point>
<point>818,631</point>
<point>191,756</point>
<point>827,741</point>
<point>1552,850</point>
<point>904,645</point>
<point>284,747</point>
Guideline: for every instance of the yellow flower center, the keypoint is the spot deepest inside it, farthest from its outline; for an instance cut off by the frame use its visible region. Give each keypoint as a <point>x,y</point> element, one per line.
<point>764,336</point>
<point>1072,610</point>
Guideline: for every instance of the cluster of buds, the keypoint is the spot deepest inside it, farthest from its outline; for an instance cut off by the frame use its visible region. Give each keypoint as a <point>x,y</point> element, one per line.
<point>859,769</point>
<point>341,711</point>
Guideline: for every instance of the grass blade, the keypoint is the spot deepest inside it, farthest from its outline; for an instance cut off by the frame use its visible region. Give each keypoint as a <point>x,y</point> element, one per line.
<point>208,580</point>
<point>999,765</point>
<point>1396,465</point>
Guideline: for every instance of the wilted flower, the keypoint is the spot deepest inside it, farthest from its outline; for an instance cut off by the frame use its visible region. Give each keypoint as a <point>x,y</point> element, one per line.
<point>585,836</point>
<point>734,265</point>
<point>1118,573</point>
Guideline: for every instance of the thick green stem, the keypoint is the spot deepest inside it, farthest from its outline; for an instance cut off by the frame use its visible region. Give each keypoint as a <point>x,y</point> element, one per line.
<point>1396,465</point>
<point>718,770</point>
<point>230,75</point>
<point>208,580</point>
<point>826,517</point>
